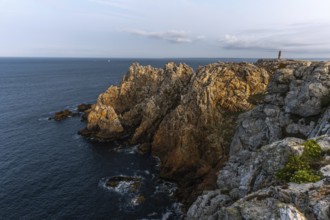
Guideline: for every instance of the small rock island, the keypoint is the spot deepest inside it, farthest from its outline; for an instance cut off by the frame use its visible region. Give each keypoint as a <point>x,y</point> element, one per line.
<point>241,140</point>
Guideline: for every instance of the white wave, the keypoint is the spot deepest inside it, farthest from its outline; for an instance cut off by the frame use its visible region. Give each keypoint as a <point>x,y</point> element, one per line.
<point>76,136</point>
<point>44,119</point>
<point>123,187</point>
<point>173,212</point>
<point>158,162</point>
<point>166,187</point>
<point>126,149</point>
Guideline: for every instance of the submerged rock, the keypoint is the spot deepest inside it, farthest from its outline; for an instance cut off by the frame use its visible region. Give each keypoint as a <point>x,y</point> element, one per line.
<point>138,200</point>
<point>126,184</point>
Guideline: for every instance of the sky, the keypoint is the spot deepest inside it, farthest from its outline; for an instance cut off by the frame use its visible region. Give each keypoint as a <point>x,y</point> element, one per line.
<point>165,28</point>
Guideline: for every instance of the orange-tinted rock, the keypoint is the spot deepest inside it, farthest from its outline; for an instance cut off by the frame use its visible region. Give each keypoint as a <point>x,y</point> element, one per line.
<point>194,138</point>
<point>188,118</point>
<point>61,115</point>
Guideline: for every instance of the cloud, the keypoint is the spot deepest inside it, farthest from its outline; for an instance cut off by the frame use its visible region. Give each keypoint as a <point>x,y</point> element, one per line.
<point>200,37</point>
<point>113,3</point>
<point>292,38</point>
<point>172,36</point>
<point>233,42</point>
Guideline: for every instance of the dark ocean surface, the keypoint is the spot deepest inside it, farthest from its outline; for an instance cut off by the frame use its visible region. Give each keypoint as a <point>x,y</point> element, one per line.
<point>47,171</point>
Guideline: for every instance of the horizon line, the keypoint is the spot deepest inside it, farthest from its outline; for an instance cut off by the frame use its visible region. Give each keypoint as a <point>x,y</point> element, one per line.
<point>109,58</point>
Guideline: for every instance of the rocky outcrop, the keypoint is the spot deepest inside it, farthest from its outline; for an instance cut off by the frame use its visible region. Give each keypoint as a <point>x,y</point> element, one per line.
<point>278,203</point>
<point>61,115</point>
<point>130,186</point>
<point>139,103</point>
<point>66,113</point>
<point>292,106</point>
<point>248,188</point>
<point>187,119</point>
<point>294,109</point>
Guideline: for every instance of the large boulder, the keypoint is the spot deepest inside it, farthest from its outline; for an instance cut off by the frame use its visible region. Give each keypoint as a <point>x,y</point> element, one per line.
<point>295,99</point>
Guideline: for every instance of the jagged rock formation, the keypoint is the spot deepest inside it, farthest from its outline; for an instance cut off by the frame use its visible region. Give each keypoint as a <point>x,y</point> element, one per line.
<point>192,122</point>
<point>187,118</point>
<point>293,105</point>
<point>139,103</point>
<point>193,139</point>
<point>296,106</point>
<point>248,188</point>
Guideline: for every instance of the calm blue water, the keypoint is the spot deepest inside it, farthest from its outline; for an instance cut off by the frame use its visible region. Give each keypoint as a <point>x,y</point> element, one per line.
<point>46,169</point>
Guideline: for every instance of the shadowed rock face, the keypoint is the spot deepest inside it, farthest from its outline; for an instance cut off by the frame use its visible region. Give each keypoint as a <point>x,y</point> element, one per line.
<point>193,139</point>
<point>188,118</point>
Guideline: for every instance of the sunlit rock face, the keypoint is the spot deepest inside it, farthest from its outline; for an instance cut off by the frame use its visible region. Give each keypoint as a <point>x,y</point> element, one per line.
<point>193,139</point>
<point>187,117</point>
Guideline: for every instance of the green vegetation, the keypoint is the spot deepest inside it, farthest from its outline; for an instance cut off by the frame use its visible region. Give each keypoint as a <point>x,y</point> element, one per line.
<point>299,168</point>
<point>305,176</point>
<point>312,151</point>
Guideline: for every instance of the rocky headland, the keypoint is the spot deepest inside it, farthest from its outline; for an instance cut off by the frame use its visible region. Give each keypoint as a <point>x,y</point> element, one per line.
<point>224,132</point>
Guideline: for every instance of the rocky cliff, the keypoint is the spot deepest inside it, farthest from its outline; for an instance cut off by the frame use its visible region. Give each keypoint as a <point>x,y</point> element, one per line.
<point>295,108</point>
<point>228,128</point>
<point>186,118</point>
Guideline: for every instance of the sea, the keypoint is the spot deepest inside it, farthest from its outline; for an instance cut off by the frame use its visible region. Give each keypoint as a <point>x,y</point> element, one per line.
<point>48,171</point>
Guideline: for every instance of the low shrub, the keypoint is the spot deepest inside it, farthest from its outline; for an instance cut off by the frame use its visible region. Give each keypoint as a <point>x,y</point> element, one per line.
<point>312,151</point>
<point>305,176</point>
<point>298,168</point>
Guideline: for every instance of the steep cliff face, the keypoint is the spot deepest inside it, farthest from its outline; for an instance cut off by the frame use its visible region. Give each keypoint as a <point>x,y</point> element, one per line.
<point>192,141</point>
<point>139,103</point>
<point>295,108</point>
<point>187,118</point>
